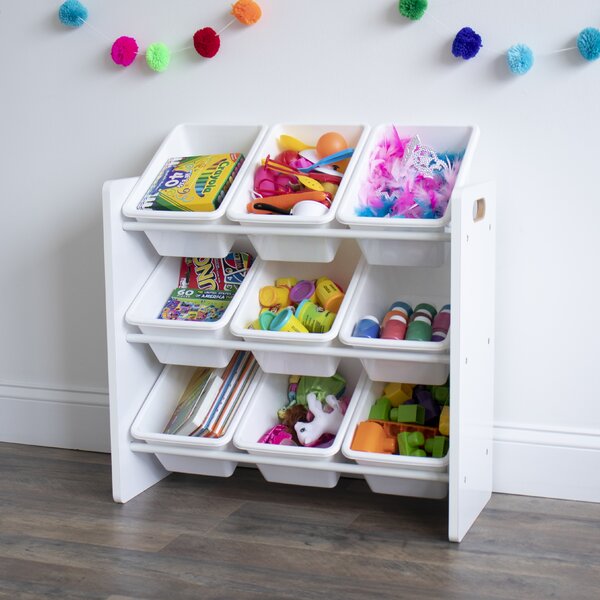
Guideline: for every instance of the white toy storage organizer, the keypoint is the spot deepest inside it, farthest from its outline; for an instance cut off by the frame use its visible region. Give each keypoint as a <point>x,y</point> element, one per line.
<point>135,246</point>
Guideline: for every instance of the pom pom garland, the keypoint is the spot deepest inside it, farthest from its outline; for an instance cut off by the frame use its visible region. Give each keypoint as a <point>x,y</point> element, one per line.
<point>588,43</point>
<point>124,50</point>
<point>207,42</point>
<point>466,44</point>
<point>158,56</point>
<point>519,58</point>
<point>72,13</point>
<point>246,12</point>
<point>412,9</point>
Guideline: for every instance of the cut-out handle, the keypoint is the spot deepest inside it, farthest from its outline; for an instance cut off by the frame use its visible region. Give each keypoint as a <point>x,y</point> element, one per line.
<point>478,209</point>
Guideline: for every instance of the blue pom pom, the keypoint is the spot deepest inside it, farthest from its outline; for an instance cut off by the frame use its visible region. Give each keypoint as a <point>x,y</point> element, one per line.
<point>72,13</point>
<point>519,58</point>
<point>588,43</point>
<point>466,44</point>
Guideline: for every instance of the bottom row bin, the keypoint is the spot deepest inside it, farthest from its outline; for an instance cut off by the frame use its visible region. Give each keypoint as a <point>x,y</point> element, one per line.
<point>401,486</point>
<point>261,416</point>
<point>163,399</point>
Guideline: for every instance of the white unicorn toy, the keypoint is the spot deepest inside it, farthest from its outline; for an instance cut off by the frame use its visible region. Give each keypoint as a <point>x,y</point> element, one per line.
<point>323,422</point>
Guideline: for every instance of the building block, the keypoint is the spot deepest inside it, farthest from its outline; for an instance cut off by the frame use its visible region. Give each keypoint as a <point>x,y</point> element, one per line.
<point>410,444</point>
<point>380,411</point>
<point>432,409</point>
<point>445,421</point>
<point>412,413</point>
<point>393,429</point>
<point>371,437</point>
<point>398,393</point>
<point>441,394</point>
<point>437,446</point>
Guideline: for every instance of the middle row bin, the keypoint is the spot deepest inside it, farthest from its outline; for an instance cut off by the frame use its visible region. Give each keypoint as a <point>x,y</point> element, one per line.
<point>369,290</point>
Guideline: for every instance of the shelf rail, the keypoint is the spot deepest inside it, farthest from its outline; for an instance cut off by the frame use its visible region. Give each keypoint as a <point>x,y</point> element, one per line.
<point>331,232</point>
<point>341,351</point>
<point>333,465</point>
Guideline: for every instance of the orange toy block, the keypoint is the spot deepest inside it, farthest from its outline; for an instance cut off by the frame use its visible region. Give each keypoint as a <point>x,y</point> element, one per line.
<point>392,429</point>
<point>370,436</point>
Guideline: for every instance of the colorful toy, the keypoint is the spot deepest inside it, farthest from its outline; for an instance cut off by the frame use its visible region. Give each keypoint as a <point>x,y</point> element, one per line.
<point>323,422</point>
<point>286,321</point>
<point>394,328</point>
<point>329,295</point>
<point>371,437</point>
<point>407,179</point>
<point>380,411</point>
<point>466,44</point>
<point>278,435</point>
<point>398,393</point>
<point>445,421</point>
<point>437,446</point>
<point>411,444</point>
<point>441,325</point>
<point>408,413</point>
<point>331,143</point>
<point>274,295</point>
<point>314,318</point>
<point>367,327</point>
<point>303,290</point>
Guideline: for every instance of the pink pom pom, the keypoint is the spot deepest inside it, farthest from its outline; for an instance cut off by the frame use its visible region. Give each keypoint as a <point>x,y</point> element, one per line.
<point>124,50</point>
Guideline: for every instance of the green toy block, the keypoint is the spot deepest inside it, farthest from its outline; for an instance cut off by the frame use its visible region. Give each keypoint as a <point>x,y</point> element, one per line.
<point>381,409</point>
<point>437,446</point>
<point>408,413</point>
<point>410,443</point>
<point>441,394</point>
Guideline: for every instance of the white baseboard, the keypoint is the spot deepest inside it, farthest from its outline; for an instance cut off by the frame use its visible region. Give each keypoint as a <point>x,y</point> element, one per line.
<point>547,462</point>
<point>528,461</point>
<point>60,418</point>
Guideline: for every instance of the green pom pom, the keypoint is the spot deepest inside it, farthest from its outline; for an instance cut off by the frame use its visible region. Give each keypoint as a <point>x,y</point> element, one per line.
<point>158,56</point>
<point>412,9</point>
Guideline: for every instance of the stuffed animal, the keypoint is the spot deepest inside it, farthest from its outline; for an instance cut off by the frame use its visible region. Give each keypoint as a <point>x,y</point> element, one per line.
<point>323,422</point>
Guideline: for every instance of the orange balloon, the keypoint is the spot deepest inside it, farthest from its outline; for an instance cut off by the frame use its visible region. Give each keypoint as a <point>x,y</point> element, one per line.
<point>330,143</point>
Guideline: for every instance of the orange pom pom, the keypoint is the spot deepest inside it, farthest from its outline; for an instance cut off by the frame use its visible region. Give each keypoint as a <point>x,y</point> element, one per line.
<point>246,11</point>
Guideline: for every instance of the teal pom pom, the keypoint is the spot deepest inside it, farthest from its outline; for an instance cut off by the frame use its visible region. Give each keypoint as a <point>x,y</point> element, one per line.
<point>519,58</point>
<point>72,13</point>
<point>588,43</point>
<point>158,56</point>
<point>412,9</point>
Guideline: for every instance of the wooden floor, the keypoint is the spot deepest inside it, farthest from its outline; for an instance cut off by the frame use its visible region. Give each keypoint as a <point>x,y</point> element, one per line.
<point>61,536</point>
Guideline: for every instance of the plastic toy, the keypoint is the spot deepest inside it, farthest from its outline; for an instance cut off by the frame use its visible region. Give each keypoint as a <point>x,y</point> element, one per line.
<point>441,324</point>
<point>287,142</point>
<point>437,446</point>
<point>444,425</point>
<point>272,295</point>
<point>286,321</point>
<point>303,290</point>
<point>371,437</point>
<point>314,318</point>
<point>411,444</point>
<point>328,160</point>
<point>367,327</point>
<point>408,413</point>
<point>392,429</point>
<point>277,435</point>
<point>441,393</point>
<point>330,143</point>
<point>398,393</point>
<point>286,202</point>
<point>329,295</point>
<point>381,409</point>
<point>322,423</point>
<point>424,398</point>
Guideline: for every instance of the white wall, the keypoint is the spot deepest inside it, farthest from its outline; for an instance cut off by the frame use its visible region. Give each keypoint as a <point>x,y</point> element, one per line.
<point>70,120</point>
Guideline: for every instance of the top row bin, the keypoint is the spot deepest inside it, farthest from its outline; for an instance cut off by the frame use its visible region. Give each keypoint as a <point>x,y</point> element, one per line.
<point>255,142</point>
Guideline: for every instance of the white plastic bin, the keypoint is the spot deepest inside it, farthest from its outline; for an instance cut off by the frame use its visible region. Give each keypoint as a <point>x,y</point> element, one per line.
<point>147,305</point>
<point>156,412</point>
<point>295,248</point>
<point>192,139</point>
<point>343,270</point>
<point>262,415</point>
<point>407,252</point>
<point>377,289</point>
<point>400,486</point>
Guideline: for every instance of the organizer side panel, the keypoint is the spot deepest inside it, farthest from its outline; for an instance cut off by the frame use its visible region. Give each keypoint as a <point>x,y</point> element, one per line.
<point>132,369</point>
<point>472,357</point>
